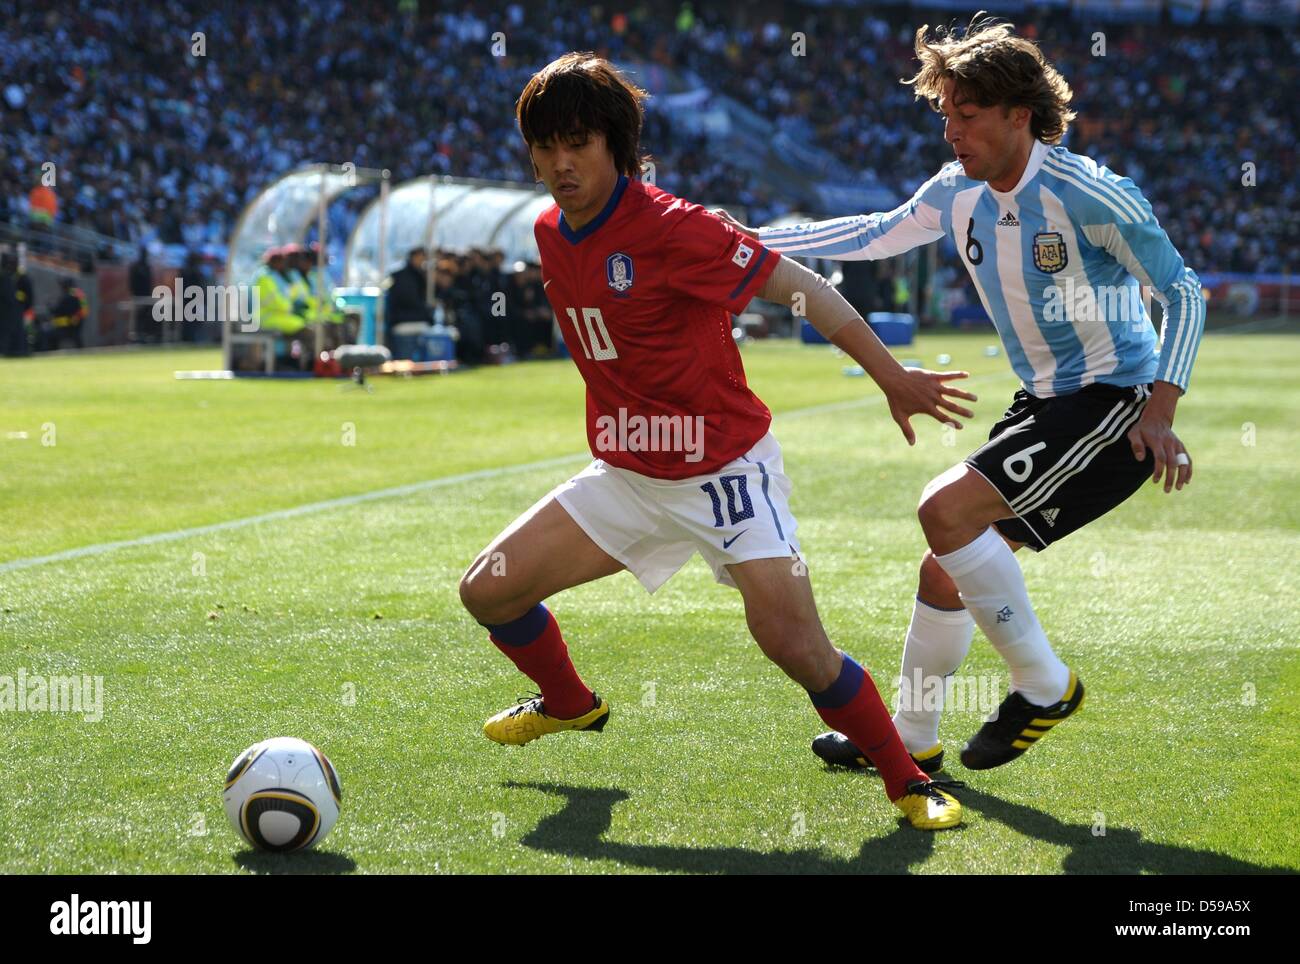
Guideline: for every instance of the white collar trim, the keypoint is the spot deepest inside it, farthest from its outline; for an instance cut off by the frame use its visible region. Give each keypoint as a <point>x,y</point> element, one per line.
<point>1036,155</point>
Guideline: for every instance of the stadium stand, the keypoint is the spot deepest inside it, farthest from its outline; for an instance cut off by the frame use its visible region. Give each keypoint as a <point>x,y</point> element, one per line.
<point>149,143</point>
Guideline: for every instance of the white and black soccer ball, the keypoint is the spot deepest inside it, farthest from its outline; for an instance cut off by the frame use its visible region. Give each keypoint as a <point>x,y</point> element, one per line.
<point>282,795</point>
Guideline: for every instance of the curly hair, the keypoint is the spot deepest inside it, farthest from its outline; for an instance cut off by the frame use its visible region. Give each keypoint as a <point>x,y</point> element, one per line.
<point>991,66</point>
<point>581,93</point>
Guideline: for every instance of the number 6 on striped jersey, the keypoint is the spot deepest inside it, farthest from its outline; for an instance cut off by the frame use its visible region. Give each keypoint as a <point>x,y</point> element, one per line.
<point>602,346</point>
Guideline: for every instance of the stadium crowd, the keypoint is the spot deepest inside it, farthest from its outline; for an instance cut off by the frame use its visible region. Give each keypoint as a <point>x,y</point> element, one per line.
<point>150,142</point>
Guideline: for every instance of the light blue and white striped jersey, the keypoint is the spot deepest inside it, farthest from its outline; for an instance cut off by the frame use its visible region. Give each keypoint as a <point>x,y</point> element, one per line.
<point>1059,262</point>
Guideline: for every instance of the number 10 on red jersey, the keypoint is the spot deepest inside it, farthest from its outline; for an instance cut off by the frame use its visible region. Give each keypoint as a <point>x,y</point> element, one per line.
<point>601,345</point>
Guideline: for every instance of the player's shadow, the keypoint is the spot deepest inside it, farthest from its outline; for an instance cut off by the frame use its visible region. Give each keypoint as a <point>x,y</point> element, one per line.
<point>1119,851</point>
<point>302,862</point>
<point>578,828</point>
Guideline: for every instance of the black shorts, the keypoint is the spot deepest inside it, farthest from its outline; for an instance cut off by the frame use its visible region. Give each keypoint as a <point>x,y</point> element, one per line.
<point>1062,462</point>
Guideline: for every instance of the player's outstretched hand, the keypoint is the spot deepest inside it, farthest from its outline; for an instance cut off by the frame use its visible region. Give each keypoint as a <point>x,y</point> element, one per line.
<point>722,215</point>
<point>1154,432</point>
<point>921,392</point>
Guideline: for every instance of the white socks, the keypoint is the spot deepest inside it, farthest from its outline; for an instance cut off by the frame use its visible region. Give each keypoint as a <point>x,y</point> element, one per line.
<point>937,642</point>
<point>993,589</point>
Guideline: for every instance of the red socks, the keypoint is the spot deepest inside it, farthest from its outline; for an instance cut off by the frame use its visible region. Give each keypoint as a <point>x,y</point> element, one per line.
<point>852,705</point>
<point>534,644</point>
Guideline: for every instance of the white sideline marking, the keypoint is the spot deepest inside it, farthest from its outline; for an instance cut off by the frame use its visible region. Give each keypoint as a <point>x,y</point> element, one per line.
<point>393,492</point>
<point>396,491</point>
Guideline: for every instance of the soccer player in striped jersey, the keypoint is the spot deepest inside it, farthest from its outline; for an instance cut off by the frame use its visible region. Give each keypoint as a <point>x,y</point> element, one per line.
<point>1058,248</point>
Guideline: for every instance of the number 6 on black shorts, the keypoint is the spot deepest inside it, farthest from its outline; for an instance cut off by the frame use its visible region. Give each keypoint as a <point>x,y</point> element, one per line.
<point>1062,462</point>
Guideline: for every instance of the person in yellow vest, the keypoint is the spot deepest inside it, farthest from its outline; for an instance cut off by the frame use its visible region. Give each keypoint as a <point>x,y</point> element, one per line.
<point>67,315</point>
<point>321,295</point>
<point>275,305</point>
<point>318,283</point>
<point>294,274</point>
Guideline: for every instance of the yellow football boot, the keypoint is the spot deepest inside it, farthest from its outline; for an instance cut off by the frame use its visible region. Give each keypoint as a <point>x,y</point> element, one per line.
<point>928,807</point>
<point>526,722</point>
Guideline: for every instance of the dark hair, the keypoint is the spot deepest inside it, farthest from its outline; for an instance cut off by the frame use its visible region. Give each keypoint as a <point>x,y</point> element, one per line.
<point>990,65</point>
<point>579,94</point>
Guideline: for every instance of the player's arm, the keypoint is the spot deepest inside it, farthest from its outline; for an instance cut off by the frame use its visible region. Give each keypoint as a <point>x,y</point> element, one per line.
<point>863,237</point>
<point>909,391</point>
<point>1130,233</point>
<point>708,261</point>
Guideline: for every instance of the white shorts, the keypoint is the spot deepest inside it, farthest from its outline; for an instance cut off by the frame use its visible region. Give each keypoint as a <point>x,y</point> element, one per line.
<point>653,526</point>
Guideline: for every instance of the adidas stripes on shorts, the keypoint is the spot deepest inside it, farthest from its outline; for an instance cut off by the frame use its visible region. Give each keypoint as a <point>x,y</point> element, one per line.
<point>1062,462</point>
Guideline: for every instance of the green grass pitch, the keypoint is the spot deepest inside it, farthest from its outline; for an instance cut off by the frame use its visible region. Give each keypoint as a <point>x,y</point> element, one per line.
<point>342,625</point>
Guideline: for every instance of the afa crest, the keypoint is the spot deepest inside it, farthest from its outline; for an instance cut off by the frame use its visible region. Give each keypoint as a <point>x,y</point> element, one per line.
<point>1050,254</point>
<point>618,271</point>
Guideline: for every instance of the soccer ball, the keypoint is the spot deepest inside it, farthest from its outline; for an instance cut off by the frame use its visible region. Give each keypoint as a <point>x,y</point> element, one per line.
<point>282,795</point>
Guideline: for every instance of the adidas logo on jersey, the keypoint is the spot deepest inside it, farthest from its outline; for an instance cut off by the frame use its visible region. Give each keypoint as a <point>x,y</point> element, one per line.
<point>1008,220</point>
<point>1049,516</point>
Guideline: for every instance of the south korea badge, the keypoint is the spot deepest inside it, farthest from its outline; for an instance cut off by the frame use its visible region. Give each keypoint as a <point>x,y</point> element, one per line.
<point>618,272</point>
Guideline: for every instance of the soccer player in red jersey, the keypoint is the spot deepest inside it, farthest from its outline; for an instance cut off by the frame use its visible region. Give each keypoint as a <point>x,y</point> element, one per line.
<point>643,284</point>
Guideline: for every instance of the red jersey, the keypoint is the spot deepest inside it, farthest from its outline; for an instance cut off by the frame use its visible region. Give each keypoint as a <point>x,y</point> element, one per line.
<point>644,295</point>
